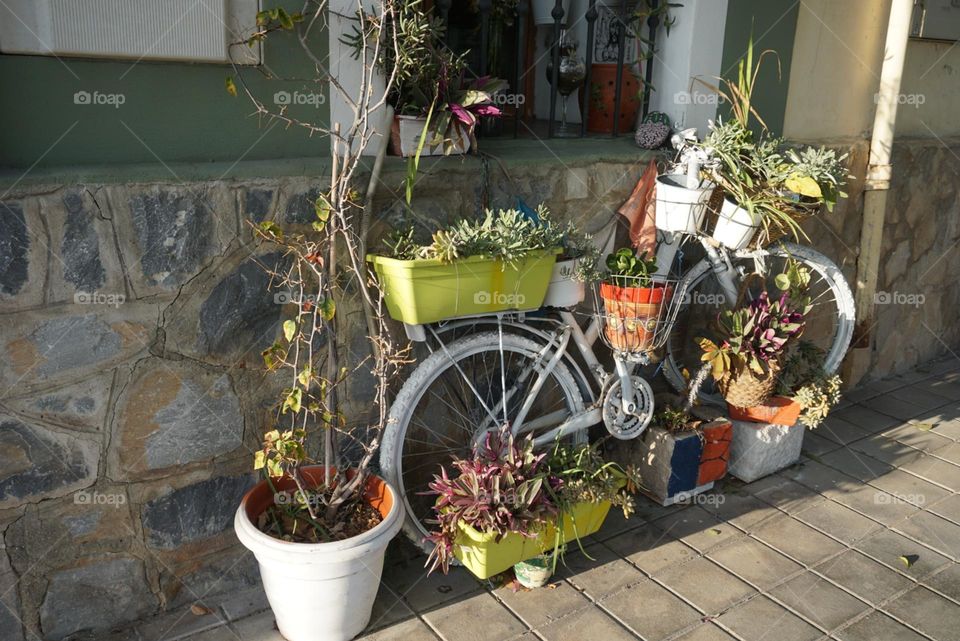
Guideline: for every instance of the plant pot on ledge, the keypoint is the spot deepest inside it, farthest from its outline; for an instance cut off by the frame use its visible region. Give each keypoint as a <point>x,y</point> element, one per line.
<point>320,591</point>
<point>766,438</point>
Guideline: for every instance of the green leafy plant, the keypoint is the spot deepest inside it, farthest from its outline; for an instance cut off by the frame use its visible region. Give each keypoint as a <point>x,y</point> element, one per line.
<point>626,269</point>
<point>507,235</point>
<point>817,175</point>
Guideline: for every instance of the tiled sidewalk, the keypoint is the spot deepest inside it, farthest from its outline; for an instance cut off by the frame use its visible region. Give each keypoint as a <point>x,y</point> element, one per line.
<point>858,542</point>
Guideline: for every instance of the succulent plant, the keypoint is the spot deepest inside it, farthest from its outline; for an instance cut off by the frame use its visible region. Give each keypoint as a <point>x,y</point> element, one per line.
<point>817,399</point>
<point>507,234</point>
<point>502,488</point>
<point>626,269</point>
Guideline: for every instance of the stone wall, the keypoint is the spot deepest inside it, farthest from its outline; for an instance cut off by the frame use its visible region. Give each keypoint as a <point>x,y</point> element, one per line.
<point>132,320</point>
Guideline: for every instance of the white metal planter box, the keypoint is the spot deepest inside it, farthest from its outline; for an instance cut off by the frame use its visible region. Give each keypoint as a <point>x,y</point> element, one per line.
<point>760,449</point>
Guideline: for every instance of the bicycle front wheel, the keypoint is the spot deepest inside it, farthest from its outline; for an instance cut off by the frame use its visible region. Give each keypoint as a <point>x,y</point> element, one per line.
<point>829,325</point>
<point>455,395</point>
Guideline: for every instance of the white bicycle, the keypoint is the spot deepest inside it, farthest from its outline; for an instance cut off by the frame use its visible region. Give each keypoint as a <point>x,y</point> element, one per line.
<point>537,370</point>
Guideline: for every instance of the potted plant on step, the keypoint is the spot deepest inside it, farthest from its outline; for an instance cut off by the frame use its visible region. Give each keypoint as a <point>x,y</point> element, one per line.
<point>683,452</point>
<point>506,504</point>
<point>632,299</point>
<point>576,265</point>
<point>501,262</point>
<point>320,519</point>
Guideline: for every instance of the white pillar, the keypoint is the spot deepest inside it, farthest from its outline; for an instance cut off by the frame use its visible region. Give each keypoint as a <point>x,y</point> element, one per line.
<point>693,49</point>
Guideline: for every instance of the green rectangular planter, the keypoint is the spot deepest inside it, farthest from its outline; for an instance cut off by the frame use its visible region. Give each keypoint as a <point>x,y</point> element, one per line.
<point>426,290</point>
<point>485,557</point>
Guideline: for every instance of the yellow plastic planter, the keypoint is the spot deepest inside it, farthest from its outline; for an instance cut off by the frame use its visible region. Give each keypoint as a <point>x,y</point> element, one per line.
<point>485,557</point>
<point>427,290</point>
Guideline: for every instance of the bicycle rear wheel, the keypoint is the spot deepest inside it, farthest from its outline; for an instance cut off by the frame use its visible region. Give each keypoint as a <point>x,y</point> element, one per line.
<point>456,394</point>
<point>829,324</point>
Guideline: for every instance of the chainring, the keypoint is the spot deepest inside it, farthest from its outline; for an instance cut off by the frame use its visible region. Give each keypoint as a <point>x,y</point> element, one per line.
<point>623,425</point>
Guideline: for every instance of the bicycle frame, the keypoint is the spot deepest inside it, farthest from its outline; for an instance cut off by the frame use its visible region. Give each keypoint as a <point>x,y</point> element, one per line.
<point>556,345</point>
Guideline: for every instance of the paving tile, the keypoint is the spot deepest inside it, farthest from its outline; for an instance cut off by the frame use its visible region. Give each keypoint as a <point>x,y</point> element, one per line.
<point>598,571</point>
<point>928,612</point>
<point>816,476</point>
<point>948,508</point>
<point>409,630</point>
<point>874,503</point>
<point>244,603</point>
<point>591,623</point>
<point>544,605</point>
<point>877,626</point>
<point>741,509</point>
<point>865,418</point>
<point>474,618</point>
<point>650,610</point>
<point>950,429</point>
<point>754,562</point>
<point>222,633</point>
<point>864,577</point>
<point>919,435</point>
<point>872,389</point>
<point>838,521</point>
<point>854,465</point>
<point>920,395</point>
<point>697,527</point>
<point>838,430</point>
<point>179,624</point>
<point>787,495</point>
<point>814,443</point>
<point>761,619</point>
<point>938,533</point>
<point>706,585</point>
<point>899,408</point>
<point>706,632</point>
<point>881,448</point>
<point>910,488</point>
<point>946,388</point>
<point>263,627</point>
<point>946,582</point>
<point>935,470</point>
<point>388,608</point>
<point>615,524</point>
<point>950,453</point>
<point>816,599</point>
<point>891,548</point>
<point>650,549</point>
<point>798,541</point>
<point>422,591</point>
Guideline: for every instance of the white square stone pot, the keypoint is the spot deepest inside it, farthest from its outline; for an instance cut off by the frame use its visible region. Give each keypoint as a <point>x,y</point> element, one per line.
<point>760,449</point>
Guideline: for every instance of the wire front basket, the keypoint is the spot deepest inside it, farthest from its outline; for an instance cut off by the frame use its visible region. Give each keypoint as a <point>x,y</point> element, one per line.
<point>636,315</point>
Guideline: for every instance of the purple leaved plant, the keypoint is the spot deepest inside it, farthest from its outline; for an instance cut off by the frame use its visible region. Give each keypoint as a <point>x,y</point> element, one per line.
<point>504,487</point>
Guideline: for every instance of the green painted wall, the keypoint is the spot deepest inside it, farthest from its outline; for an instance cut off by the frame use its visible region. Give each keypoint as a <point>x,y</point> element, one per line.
<point>774,26</point>
<point>171,112</point>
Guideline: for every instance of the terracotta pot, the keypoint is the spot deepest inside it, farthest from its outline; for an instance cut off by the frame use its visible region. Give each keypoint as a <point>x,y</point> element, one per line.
<point>778,410</point>
<point>632,314</point>
<point>320,591</point>
<point>603,91</point>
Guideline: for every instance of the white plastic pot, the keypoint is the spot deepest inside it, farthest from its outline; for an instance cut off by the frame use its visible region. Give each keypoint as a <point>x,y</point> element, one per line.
<point>320,591</point>
<point>735,226</point>
<point>542,10</point>
<point>563,290</point>
<point>406,138</point>
<point>534,573</point>
<point>680,209</point>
